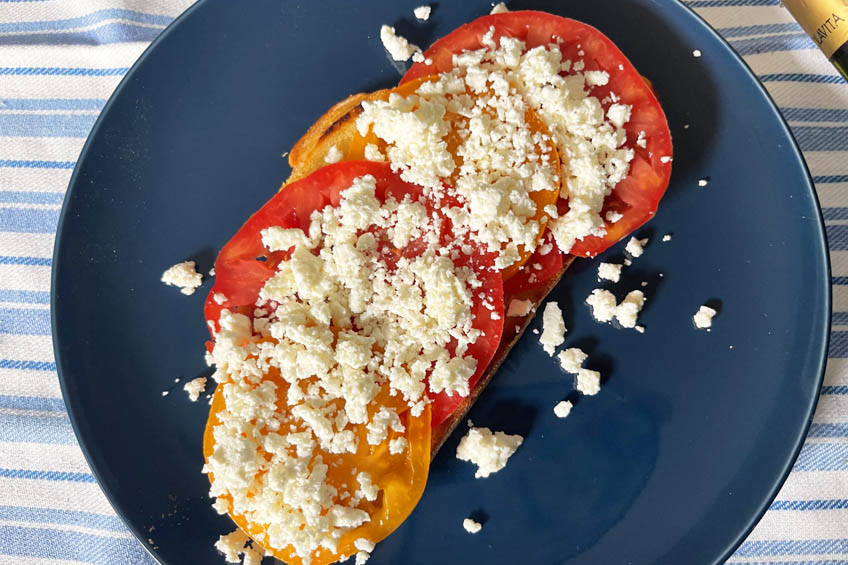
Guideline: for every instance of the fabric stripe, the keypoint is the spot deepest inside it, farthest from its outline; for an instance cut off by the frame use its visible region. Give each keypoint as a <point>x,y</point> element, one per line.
<point>28,220</point>
<point>15,428</point>
<point>24,297</point>
<point>102,35</point>
<point>27,365</point>
<point>69,517</point>
<point>46,476</point>
<point>792,547</point>
<point>805,505</point>
<point>32,261</point>
<point>27,321</point>
<point>816,115</point>
<point>785,42</point>
<point>30,197</point>
<point>30,164</point>
<point>46,125</point>
<point>842,389</point>
<point>87,20</point>
<point>63,71</point>
<point>796,77</point>
<point>834,430</point>
<point>32,402</point>
<point>726,3</point>
<point>40,542</point>
<point>758,29</point>
<point>823,457</point>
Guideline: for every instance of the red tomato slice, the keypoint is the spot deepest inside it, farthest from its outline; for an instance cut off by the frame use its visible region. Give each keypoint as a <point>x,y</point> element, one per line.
<point>528,276</point>
<point>243,265</point>
<point>636,197</point>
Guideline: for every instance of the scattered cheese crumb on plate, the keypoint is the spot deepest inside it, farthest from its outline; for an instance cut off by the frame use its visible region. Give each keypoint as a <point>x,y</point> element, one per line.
<point>703,318</point>
<point>486,449</point>
<point>635,247</point>
<point>195,388</point>
<point>553,328</point>
<point>704,181</point>
<point>571,360</point>
<point>588,382</point>
<point>666,237</point>
<point>499,8</point>
<point>519,308</point>
<point>398,47</point>
<point>184,276</point>
<point>696,53</point>
<point>609,271</point>
<point>422,13</point>
<point>563,409</point>
<point>471,526</point>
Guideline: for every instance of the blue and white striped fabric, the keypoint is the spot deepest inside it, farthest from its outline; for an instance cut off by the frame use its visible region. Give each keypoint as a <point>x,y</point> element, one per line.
<point>59,62</point>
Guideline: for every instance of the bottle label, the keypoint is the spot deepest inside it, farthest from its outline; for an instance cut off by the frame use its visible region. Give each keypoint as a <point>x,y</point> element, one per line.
<point>826,21</point>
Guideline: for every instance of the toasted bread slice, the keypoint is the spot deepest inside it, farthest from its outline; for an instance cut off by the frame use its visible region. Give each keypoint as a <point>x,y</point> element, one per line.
<point>338,127</point>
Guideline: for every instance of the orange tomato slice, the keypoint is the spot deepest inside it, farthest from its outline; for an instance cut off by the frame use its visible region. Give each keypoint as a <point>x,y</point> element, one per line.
<point>400,477</point>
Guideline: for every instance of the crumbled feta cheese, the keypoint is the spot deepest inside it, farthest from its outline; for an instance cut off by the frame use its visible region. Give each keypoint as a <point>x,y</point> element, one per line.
<point>635,247</point>
<point>609,271</point>
<point>364,544</point>
<point>627,312</point>
<point>334,155</point>
<point>195,388</point>
<point>703,318</point>
<point>665,159</point>
<point>641,140</point>
<point>519,308</point>
<point>373,153</point>
<point>588,382</point>
<point>232,545</point>
<point>338,325</point>
<point>499,8</point>
<point>361,557</point>
<point>212,272</point>
<point>563,409</point>
<point>184,276</point>
<point>612,216</point>
<point>422,13</point>
<point>603,305</point>
<point>666,237</point>
<point>572,359</point>
<point>398,47</point>
<point>553,328</point>
<point>219,298</point>
<point>471,526</point>
<point>703,181</point>
<point>696,53</point>
<point>488,450</point>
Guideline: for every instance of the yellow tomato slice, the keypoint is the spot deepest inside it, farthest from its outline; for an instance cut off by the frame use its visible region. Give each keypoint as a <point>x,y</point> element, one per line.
<point>542,198</point>
<point>400,477</point>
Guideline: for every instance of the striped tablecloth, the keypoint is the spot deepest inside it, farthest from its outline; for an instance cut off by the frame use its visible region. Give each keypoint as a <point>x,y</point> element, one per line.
<point>60,61</point>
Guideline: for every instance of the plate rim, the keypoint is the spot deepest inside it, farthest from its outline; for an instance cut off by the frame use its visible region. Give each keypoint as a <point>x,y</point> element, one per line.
<point>822,252</point>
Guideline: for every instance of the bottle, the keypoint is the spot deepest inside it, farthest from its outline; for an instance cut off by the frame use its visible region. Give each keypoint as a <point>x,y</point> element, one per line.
<point>826,22</point>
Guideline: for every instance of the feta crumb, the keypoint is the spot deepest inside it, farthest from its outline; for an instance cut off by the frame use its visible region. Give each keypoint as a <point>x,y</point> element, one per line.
<point>334,155</point>
<point>609,271</point>
<point>553,328</point>
<point>364,544</point>
<point>418,57</point>
<point>640,329</point>
<point>666,237</point>
<point>519,308</point>
<point>499,8</point>
<point>704,181</point>
<point>603,305</point>
<point>397,445</point>
<point>184,276</point>
<point>488,450</point>
<point>373,153</point>
<point>627,312</point>
<point>612,216</point>
<point>696,53</point>
<point>471,526</point>
<point>571,359</point>
<point>398,47</point>
<point>362,557</point>
<point>641,141</point>
<point>703,318</point>
<point>219,298</point>
<point>588,382</point>
<point>232,545</point>
<point>212,272</point>
<point>665,159</point>
<point>635,247</point>
<point>563,409</point>
<point>422,13</point>
<point>195,388</point>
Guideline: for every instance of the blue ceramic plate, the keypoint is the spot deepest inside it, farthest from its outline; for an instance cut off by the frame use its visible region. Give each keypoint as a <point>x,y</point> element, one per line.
<point>693,432</point>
